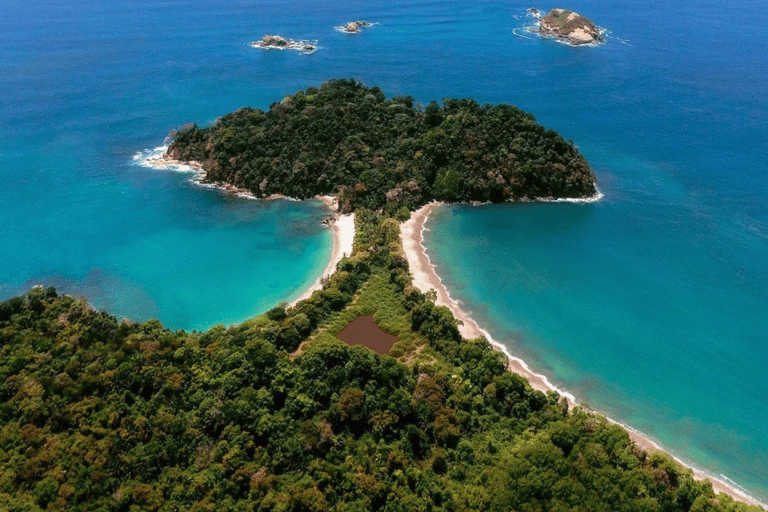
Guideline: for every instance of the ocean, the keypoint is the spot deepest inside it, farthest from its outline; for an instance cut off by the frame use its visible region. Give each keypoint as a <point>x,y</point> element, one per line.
<point>650,305</point>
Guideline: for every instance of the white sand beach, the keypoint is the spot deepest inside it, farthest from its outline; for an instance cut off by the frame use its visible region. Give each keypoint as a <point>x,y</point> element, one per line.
<point>343,227</point>
<point>425,278</point>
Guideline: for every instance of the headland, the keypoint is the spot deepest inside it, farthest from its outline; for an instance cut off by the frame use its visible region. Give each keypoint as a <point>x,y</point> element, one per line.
<point>328,164</point>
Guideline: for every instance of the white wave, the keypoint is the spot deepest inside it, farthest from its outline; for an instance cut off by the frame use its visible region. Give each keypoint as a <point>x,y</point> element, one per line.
<point>594,198</point>
<point>527,368</point>
<point>525,32</point>
<point>530,14</point>
<point>156,159</point>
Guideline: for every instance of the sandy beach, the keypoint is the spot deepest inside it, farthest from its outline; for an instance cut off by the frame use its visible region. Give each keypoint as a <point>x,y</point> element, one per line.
<point>425,278</point>
<point>343,227</point>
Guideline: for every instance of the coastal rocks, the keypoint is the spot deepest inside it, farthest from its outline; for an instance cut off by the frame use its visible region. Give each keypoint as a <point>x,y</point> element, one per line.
<point>273,41</point>
<point>328,221</point>
<point>353,27</point>
<point>280,43</point>
<point>569,27</point>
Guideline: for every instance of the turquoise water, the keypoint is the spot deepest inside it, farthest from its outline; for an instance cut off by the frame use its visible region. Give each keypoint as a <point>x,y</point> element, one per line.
<point>650,304</point>
<point>84,87</point>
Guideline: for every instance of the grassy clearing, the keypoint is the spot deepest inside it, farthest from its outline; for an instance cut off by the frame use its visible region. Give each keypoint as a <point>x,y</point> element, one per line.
<point>378,297</point>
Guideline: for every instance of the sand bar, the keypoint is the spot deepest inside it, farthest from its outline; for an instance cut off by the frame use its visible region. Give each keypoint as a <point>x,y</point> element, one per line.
<point>425,278</point>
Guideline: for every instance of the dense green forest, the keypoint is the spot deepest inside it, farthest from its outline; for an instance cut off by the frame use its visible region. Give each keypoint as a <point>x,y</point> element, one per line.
<point>346,139</point>
<point>276,414</point>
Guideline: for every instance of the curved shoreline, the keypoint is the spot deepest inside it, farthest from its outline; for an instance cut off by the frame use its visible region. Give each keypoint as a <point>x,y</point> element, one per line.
<point>425,278</point>
<point>343,227</point>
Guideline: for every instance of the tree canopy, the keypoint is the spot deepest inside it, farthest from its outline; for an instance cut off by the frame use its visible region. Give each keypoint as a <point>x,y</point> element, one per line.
<point>276,414</point>
<point>348,139</point>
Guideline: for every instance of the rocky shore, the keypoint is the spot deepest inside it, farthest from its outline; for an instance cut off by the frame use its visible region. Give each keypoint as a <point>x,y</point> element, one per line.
<point>353,27</point>
<point>569,27</point>
<point>281,43</point>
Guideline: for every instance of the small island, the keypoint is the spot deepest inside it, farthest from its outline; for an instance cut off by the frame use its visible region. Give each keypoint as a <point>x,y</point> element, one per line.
<point>353,27</point>
<point>351,141</point>
<point>280,43</point>
<point>569,27</point>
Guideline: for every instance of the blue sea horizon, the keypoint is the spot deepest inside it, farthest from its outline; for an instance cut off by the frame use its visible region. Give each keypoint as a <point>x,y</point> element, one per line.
<point>650,304</point>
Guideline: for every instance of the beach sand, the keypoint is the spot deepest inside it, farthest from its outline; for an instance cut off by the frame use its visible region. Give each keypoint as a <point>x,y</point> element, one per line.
<point>425,278</point>
<point>343,227</point>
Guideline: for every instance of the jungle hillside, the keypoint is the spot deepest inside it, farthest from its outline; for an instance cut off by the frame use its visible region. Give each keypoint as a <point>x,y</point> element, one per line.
<point>278,414</point>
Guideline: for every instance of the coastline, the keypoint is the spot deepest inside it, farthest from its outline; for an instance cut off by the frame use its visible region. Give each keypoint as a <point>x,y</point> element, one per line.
<point>343,227</point>
<point>425,278</point>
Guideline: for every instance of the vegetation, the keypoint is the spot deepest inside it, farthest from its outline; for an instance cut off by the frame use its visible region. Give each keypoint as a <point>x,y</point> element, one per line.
<point>347,139</point>
<point>558,17</point>
<point>276,414</point>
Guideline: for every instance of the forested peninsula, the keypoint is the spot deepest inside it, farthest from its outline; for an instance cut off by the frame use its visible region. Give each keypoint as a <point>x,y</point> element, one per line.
<point>279,414</point>
<point>347,139</point>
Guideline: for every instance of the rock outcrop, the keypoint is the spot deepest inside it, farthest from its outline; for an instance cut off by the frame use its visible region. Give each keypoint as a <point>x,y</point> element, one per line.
<point>273,41</point>
<point>570,27</point>
<point>353,27</point>
<point>281,43</point>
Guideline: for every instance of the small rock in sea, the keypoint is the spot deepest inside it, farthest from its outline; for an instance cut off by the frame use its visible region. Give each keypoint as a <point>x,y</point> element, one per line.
<point>570,27</point>
<point>274,41</point>
<point>282,43</point>
<point>353,27</point>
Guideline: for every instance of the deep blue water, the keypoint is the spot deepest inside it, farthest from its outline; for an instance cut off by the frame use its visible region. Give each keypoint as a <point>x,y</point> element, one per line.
<point>650,304</point>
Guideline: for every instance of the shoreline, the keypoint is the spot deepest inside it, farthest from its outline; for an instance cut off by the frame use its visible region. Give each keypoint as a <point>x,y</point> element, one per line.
<point>343,227</point>
<point>425,278</point>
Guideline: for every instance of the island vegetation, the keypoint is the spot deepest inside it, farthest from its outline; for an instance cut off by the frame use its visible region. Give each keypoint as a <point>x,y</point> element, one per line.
<point>568,26</point>
<point>346,139</point>
<point>277,413</point>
